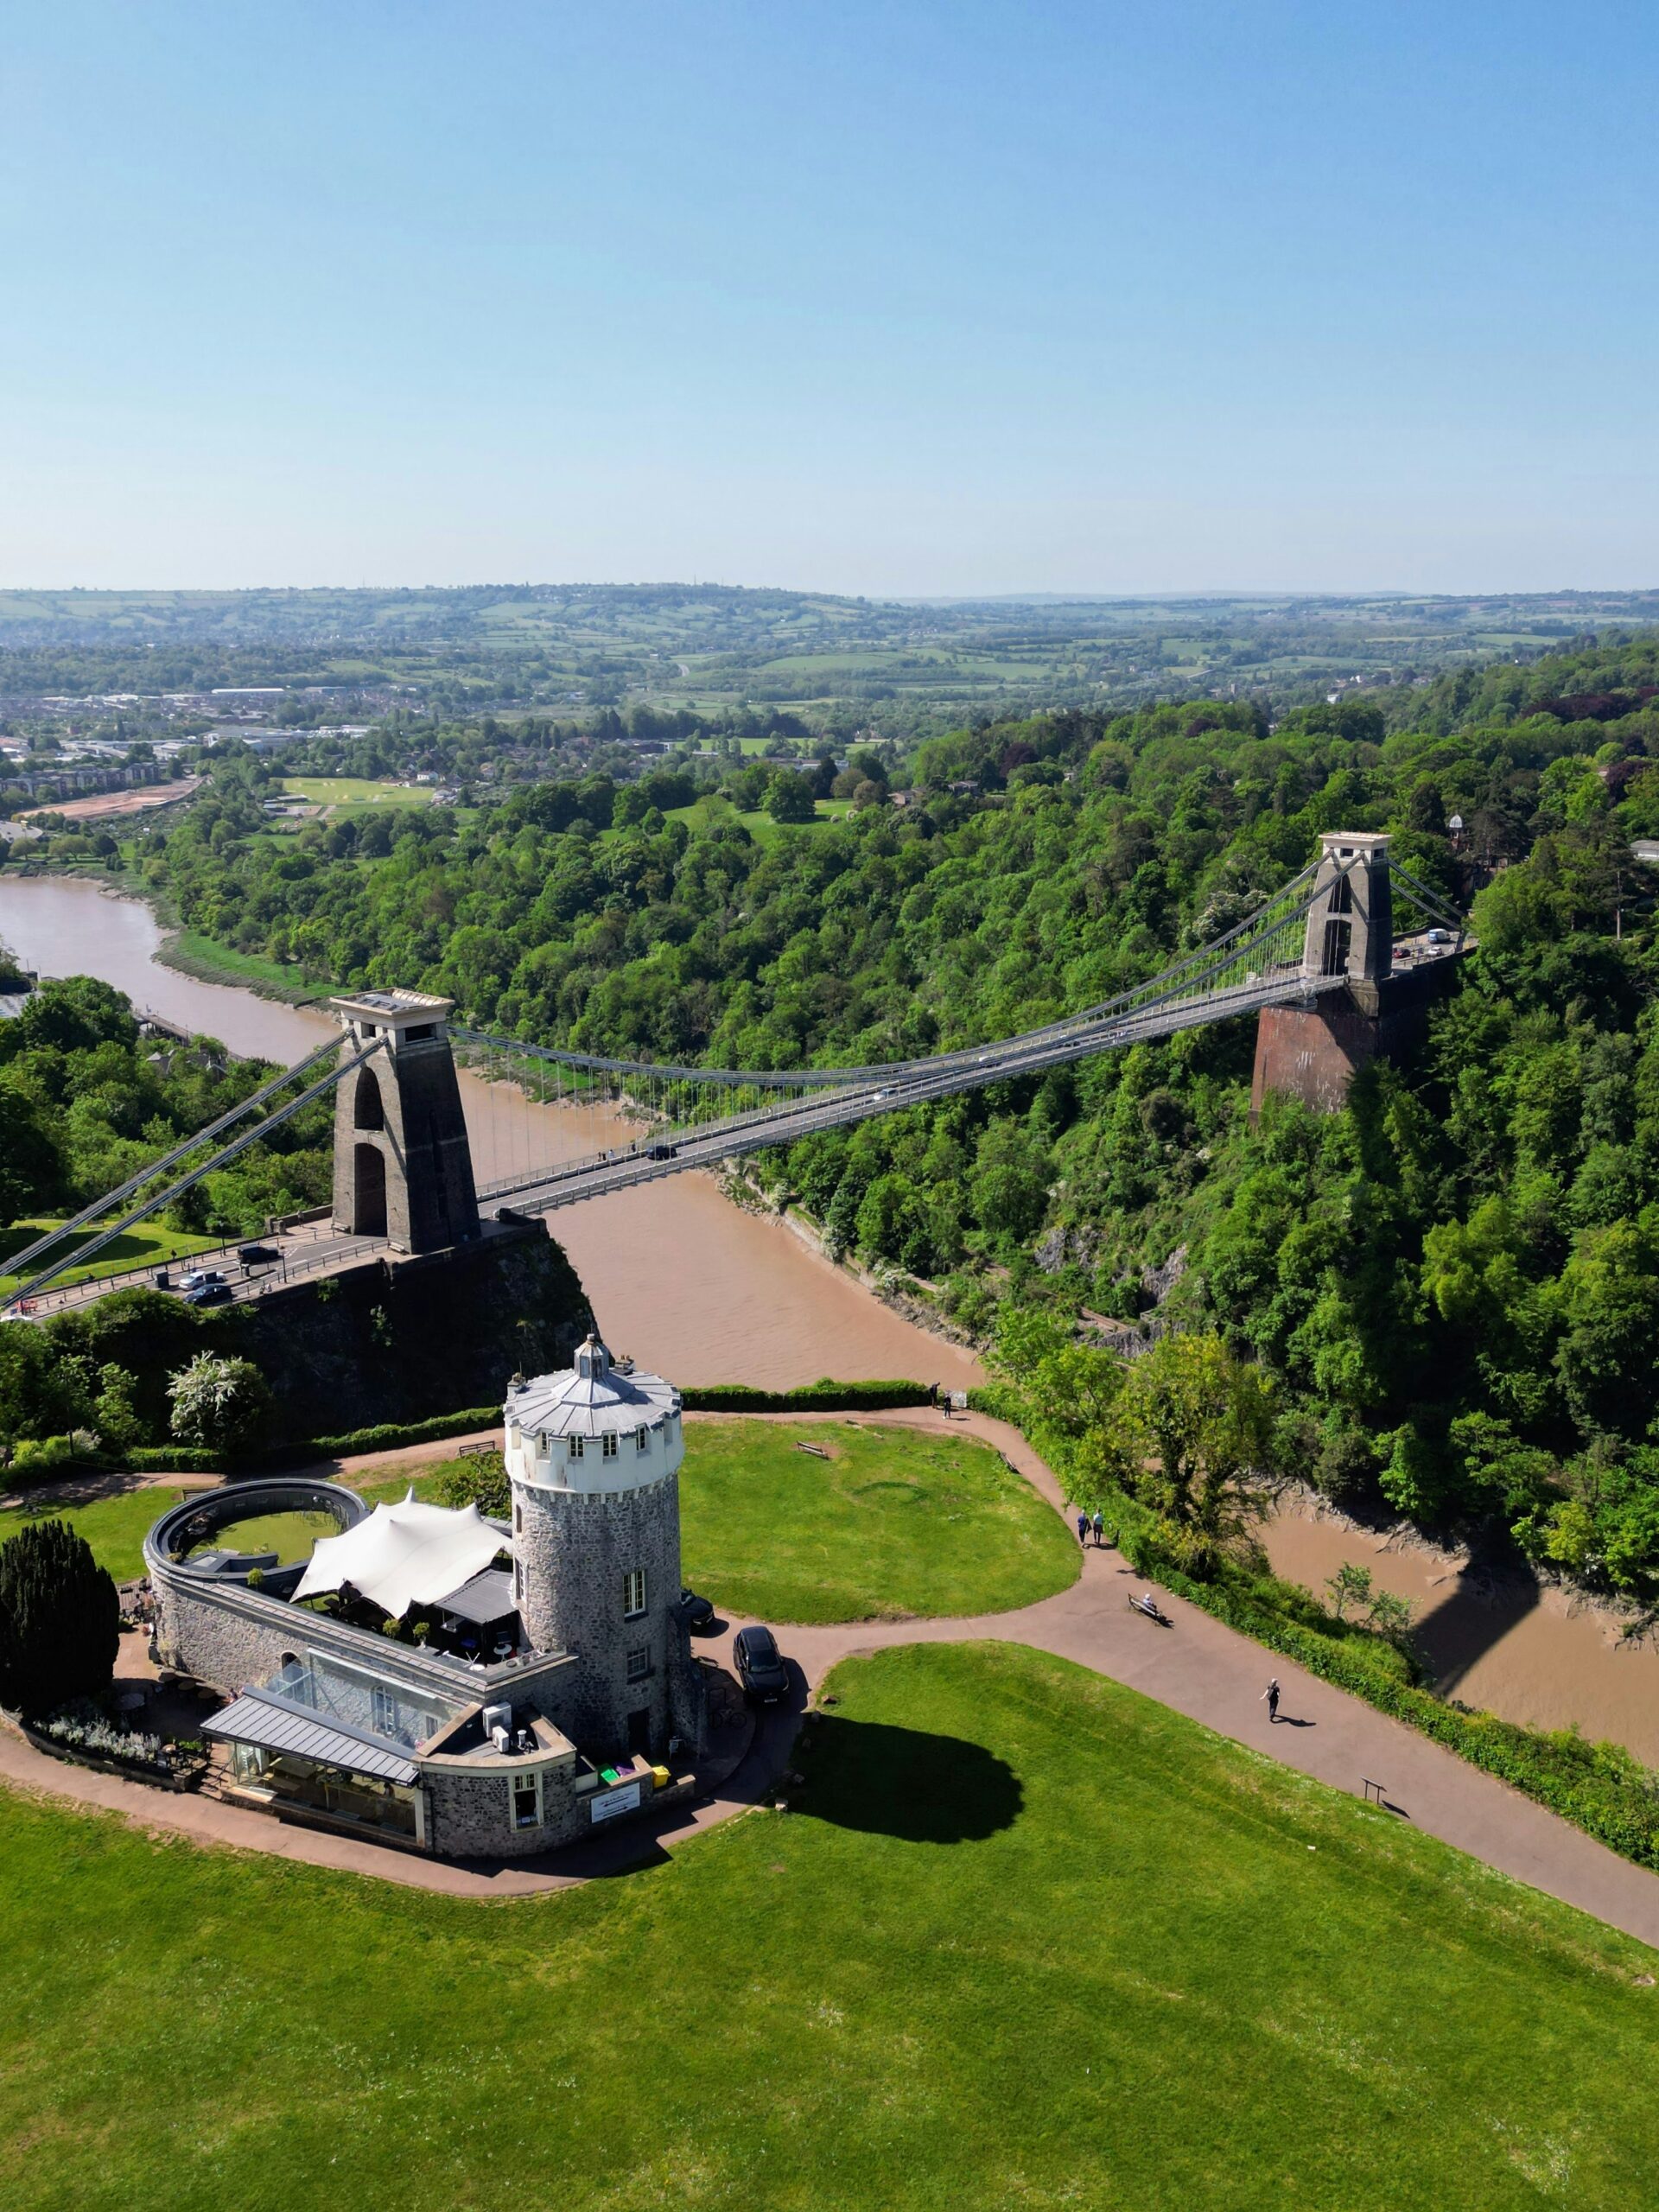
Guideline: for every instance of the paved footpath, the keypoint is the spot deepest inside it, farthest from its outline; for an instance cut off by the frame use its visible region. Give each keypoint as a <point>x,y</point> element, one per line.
<point>1196,1666</point>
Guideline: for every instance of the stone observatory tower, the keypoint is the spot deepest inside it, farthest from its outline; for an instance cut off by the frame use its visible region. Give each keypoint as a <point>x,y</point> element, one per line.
<point>594,1456</point>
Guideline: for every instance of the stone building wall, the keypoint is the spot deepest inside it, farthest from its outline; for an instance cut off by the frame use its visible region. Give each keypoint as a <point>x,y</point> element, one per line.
<point>575,1550</point>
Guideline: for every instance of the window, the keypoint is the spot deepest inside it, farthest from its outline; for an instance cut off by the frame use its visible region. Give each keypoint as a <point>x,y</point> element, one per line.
<point>518,1580</point>
<point>524,1795</point>
<point>576,1444</point>
<point>634,1594</point>
<point>610,1443</point>
<point>384,1705</point>
<point>641,1440</point>
<point>640,1663</point>
<point>518,1517</point>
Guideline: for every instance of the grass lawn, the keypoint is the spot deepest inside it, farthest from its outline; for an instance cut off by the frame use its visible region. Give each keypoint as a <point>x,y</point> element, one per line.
<point>291,1535</point>
<point>356,790</point>
<point>1028,1939</point>
<point>147,1246</point>
<point>114,1526</point>
<point>896,1521</point>
<point>710,813</point>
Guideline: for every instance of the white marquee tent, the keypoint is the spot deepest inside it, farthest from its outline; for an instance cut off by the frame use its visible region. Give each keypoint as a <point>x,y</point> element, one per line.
<point>405,1554</point>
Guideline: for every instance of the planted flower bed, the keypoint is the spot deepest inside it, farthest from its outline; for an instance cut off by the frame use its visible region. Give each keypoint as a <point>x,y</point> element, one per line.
<point>83,1734</point>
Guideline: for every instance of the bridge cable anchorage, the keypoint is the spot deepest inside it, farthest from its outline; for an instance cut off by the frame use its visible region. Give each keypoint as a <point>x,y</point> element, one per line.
<point>19,1260</point>
<point>1260,962</point>
<point>218,1160</point>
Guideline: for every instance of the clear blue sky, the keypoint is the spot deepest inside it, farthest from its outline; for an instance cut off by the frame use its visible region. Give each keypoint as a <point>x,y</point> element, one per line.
<point>891,298</point>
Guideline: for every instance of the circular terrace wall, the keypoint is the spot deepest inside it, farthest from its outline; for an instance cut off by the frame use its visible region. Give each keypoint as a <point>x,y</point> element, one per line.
<point>188,1527</point>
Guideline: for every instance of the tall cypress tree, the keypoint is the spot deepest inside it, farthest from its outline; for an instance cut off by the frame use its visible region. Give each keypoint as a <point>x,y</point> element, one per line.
<point>60,1619</point>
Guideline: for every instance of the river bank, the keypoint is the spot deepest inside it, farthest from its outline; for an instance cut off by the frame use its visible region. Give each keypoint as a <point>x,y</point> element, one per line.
<point>690,1283</point>
<point>711,1291</point>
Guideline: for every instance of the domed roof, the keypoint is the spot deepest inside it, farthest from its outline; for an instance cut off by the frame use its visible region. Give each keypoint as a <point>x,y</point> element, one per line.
<point>591,1397</point>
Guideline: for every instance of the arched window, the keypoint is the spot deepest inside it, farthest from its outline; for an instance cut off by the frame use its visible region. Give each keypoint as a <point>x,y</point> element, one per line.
<point>368,1113</point>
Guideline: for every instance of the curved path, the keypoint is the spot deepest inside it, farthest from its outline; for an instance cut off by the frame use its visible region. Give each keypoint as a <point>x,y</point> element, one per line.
<point>1198,1667</point>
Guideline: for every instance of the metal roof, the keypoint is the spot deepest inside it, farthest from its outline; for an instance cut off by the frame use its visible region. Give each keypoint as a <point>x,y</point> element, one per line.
<point>590,1397</point>
<point>488,1597</point>
<point>272,1724</point>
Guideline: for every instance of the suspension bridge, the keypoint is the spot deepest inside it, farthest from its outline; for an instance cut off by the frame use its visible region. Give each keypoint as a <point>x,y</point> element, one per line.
<point>403,1180</point>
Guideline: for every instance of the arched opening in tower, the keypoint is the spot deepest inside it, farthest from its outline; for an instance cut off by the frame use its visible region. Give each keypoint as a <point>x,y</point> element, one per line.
<point>369,1190</point>
<point>368,1113</point>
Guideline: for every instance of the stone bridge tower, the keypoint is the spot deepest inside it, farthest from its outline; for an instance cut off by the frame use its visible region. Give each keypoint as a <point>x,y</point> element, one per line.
<point>1313,1051</point>
<point>403,1166</point>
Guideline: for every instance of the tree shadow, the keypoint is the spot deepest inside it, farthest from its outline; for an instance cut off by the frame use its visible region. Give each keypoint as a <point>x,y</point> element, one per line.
<point>902,1782</point>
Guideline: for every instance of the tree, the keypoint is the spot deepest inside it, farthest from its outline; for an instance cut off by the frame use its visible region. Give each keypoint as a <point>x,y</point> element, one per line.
<point>790,798</point>
<point>1193,1433</point>
<point>219,1404</point>
<point>60,1619</point>
<point>480,1480</point>
<point>1348,1586</point>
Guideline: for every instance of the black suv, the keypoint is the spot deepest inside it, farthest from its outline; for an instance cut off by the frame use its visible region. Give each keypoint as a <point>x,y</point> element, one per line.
<point>761,1665</point>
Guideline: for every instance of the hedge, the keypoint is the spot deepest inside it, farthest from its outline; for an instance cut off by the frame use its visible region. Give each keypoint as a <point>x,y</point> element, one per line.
<point>173,1459</point>
<point>1598,1787</point>
<point>823,1397</point>
<point>388,1436</point>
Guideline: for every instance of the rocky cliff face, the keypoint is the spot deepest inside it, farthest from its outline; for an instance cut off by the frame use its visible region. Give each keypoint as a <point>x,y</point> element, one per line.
<point>399,1340</point>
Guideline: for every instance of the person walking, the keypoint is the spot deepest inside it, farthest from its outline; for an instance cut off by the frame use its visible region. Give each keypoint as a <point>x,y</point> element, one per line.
<point>1098,1524</point>
<point>1082,1528</point>
<point>1270,1698</point>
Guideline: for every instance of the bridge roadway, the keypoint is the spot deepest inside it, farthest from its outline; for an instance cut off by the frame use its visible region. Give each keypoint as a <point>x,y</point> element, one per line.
<point>621,1168</point>
<point>316,1248</point>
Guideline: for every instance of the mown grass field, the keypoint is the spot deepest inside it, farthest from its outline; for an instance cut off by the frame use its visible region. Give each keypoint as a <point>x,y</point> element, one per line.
<point>894,1521</point>
<point>1025,1939</point>
<point>356,790</point>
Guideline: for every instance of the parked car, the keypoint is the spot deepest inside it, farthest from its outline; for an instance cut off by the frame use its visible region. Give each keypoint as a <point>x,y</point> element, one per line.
<point>760,1666</point>
<point>200,1279</point>
<point>209,1293</point>
<point>698,1613</point>
<point>254,1255</point>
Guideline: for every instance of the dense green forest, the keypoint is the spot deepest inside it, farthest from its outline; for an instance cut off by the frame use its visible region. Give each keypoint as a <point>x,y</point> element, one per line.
<point>85,1101</point>
<point>1452,1284</point>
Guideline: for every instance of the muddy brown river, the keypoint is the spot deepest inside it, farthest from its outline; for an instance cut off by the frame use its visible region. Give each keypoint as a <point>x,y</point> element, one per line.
<point>680,1277</point>
<point>695,1288</point>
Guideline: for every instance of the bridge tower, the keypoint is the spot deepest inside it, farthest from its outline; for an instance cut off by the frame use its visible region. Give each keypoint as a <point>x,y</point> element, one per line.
<point>1350,922</point>
<point>403,1166</point>
<point>1314,1052</point>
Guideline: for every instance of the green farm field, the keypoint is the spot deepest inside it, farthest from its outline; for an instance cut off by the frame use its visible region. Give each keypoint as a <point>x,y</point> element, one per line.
<point>890,1521</point>
<point>1023,1938</point>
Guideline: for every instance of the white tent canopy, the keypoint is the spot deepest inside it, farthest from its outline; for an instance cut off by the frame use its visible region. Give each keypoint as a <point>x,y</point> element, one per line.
<point>405,1554</point>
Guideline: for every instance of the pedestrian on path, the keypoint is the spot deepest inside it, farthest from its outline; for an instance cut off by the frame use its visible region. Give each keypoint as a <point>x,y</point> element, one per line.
<point>1098,1524</point>
<point>1270,1698</point>
<point>1082,1528</point>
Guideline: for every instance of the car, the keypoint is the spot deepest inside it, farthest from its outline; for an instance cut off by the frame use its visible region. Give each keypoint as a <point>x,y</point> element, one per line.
<point>200,1279</point>
<point>697,1613</point>
<point>209,1293</point>
<point>760,1666</point>
<point>664,1152</point>
<point>253,1256</point>
<point>1440,936</point>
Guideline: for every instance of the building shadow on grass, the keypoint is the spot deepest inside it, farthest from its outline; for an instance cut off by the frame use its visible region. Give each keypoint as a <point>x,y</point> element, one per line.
<point>905,1783</point>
